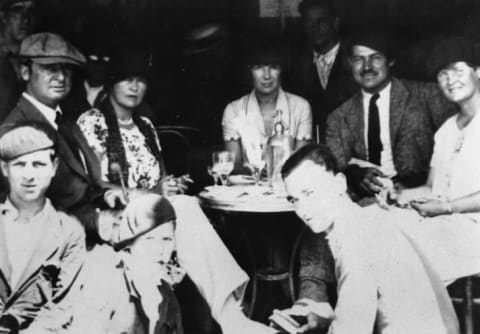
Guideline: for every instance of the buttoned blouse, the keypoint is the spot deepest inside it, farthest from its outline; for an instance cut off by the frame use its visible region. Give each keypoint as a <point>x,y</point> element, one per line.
<point>242,119</point>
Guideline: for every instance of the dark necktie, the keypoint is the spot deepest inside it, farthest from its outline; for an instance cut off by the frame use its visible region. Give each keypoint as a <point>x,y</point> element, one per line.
<point>374,143</point>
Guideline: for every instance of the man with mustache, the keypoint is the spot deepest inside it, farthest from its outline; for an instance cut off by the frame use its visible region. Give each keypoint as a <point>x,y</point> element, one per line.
<point>388,128</point>
<point>389,124</point>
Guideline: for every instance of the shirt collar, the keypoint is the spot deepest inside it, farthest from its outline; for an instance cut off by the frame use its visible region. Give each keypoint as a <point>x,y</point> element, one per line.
<point>9,210</point>
<point>49,113</point>
<point>383,94</point>
<point>252,110</point>
<point>329,56</point>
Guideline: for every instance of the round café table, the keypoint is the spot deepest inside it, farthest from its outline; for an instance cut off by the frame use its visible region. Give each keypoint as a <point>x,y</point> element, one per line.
<point>254,204</point>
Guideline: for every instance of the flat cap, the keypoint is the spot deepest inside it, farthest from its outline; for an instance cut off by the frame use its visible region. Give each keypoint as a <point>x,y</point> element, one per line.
<point>454,49</point>
<point>48,48</point>
<point>23,138</point>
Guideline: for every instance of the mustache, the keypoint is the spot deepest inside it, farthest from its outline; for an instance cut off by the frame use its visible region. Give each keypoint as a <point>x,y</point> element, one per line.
<point>366,72</point>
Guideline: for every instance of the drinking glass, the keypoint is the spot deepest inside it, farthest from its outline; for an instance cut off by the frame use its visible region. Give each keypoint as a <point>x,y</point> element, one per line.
<point>223,163</point>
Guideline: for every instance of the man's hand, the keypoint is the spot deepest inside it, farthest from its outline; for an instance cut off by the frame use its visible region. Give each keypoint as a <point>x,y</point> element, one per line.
<point>369,183</point>
<point>314,322</point>
<point>431,207</point>
<point>114,197</point>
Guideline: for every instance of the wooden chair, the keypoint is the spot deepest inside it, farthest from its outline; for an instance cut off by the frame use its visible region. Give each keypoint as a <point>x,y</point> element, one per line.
<point>468,301</point>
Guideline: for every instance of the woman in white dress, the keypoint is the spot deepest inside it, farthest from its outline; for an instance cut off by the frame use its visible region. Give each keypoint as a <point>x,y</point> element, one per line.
<point>450,201</point>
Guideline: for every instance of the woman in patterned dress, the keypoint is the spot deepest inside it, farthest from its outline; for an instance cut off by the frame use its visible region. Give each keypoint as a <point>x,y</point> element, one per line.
<point>126,143</point>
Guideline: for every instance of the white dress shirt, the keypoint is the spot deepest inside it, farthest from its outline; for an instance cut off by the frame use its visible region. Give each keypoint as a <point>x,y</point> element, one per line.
<point>49,113</point>
<point>324,63</point>
<point>384,282</point>
<point>383,104</point>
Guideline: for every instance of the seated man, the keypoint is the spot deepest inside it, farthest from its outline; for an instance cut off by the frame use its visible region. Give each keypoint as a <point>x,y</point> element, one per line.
<point>388,125</point>
<point>135,294</point>
<point>42,250</point>
<point>384,282</point>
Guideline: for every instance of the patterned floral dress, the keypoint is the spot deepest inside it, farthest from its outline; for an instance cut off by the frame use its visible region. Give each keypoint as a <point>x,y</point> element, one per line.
<point>143,168</point>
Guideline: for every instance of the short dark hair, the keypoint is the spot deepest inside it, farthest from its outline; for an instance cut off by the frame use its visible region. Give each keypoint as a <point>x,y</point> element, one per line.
<point>328,4</point>
<point>318,153</point>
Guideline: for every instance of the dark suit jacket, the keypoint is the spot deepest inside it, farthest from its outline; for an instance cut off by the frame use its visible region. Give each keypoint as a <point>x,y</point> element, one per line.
<point>304,81</point>
<point>416,111</point>
<point>74,188</point>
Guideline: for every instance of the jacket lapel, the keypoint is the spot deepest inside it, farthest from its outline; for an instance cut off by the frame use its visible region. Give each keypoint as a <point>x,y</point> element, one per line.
<point>31,113</point>
<point>398,103</point>
<point>47,244</point>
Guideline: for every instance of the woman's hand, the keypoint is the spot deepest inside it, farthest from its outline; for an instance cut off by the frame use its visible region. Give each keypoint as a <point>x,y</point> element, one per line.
<point>430,207</point>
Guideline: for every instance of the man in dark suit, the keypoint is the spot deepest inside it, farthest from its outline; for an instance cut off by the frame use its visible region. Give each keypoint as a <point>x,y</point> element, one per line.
<point>320,72</point>
<point>47,62</point>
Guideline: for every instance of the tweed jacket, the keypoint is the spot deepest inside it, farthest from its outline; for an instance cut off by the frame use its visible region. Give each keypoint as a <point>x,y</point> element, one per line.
<point>416,111</point>
<point>49,275</point>
<point>306,83</point>
<point>74,188</point>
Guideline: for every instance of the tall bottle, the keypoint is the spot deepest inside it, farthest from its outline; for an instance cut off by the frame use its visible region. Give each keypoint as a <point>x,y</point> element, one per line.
<point>279,148</point>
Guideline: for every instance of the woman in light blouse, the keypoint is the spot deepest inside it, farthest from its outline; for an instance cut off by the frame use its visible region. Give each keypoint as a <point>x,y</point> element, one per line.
<point>249,121</point>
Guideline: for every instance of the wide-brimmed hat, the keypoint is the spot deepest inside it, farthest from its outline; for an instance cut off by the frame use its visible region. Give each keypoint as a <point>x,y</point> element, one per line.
<point>47,48</point>
<point>454,49</point>
<point>129,61</point>
<point>205,38</point>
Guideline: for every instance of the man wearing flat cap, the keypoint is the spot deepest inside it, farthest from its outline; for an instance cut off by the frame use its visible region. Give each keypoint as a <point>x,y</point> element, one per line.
<point>42,250</point>
<point>46,65</point>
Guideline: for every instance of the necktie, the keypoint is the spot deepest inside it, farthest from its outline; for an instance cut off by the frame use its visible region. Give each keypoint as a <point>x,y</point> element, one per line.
<point>374,143</point>
<point>322,67</point>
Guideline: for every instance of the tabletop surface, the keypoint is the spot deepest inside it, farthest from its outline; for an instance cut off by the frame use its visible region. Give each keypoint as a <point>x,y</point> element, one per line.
<point>245,198</point>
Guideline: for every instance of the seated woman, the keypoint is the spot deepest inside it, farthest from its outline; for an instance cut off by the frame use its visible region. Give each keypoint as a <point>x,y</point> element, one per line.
<point>129,151</point>
<point>249,121</point>
<point>452,193</point>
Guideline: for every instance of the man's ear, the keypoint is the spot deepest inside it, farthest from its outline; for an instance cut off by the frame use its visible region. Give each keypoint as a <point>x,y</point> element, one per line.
<point>477,71</point>
<point>391,63</point>
<point>3,167</point>
<point>55,164</point>
<point>25,72</point>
